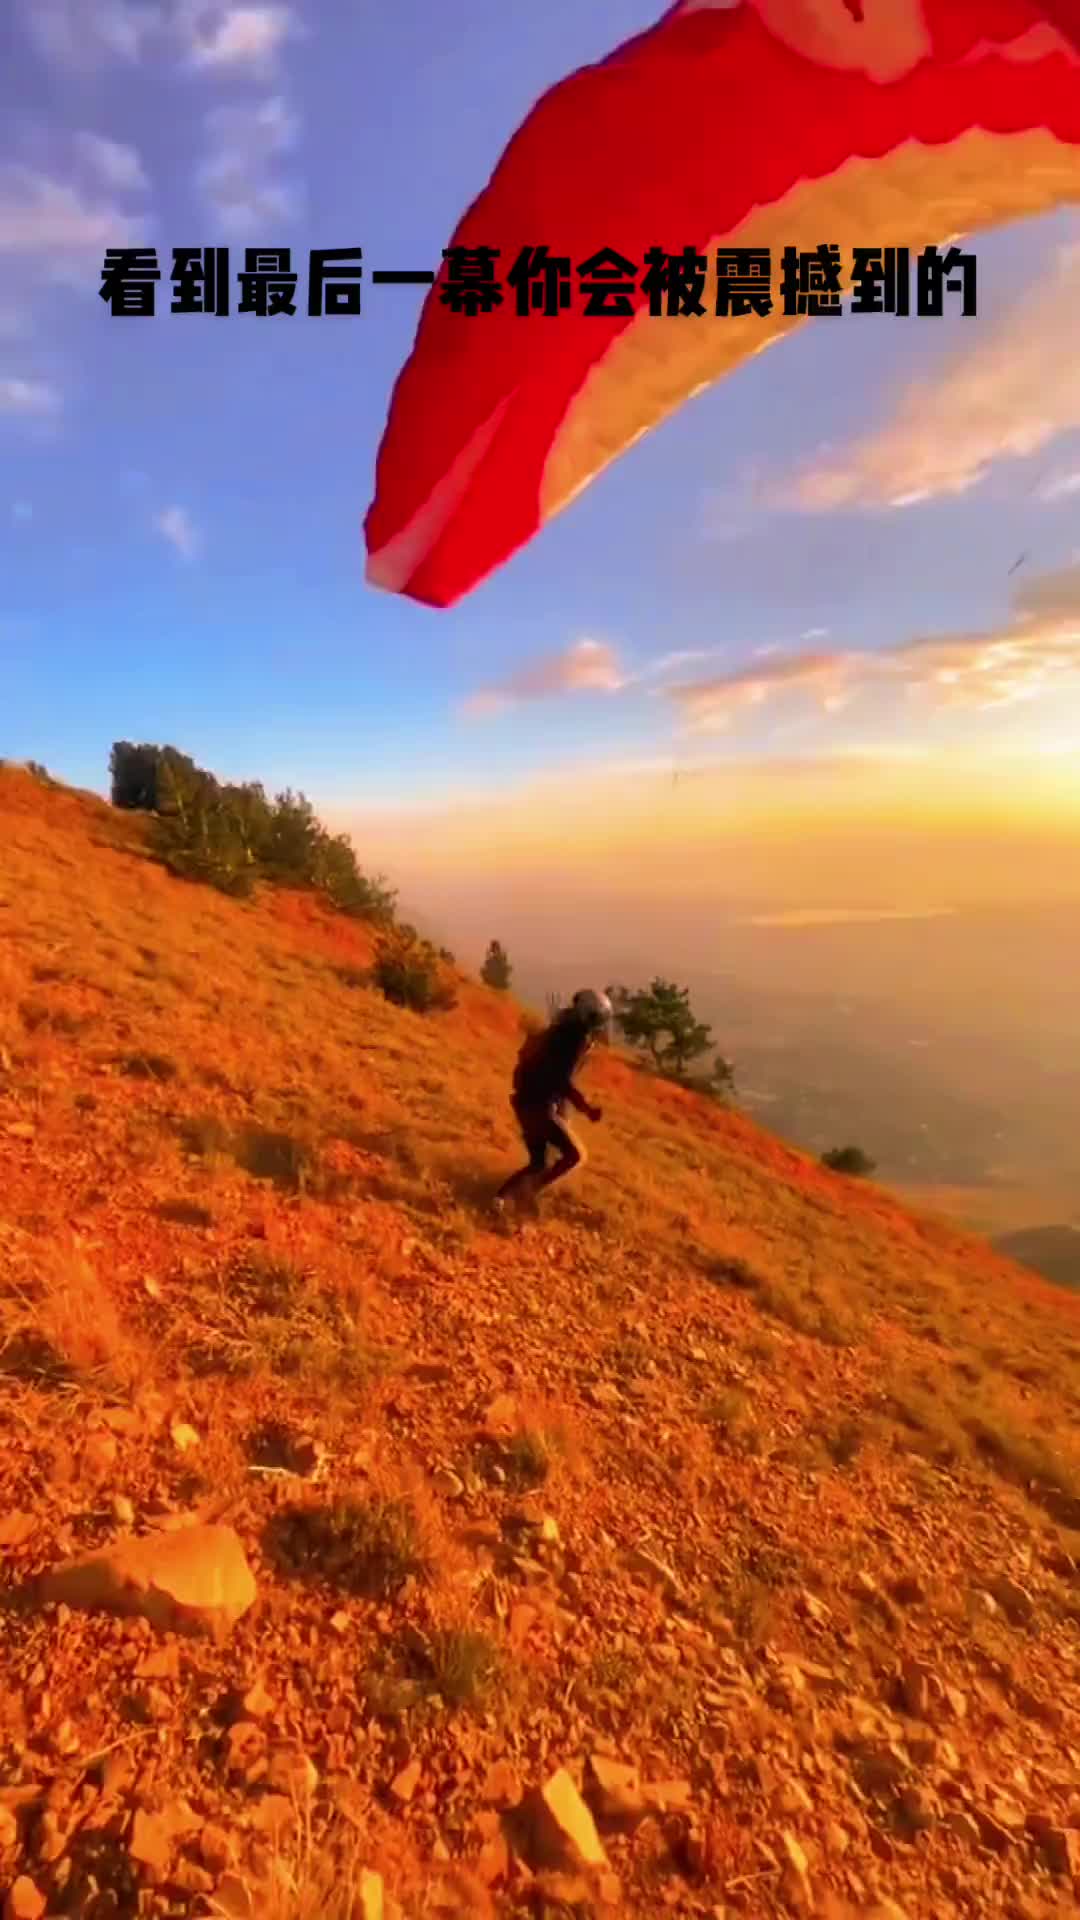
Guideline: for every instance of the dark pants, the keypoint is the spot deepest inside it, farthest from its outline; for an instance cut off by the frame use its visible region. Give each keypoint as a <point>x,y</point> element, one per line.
<point>543,1129</point>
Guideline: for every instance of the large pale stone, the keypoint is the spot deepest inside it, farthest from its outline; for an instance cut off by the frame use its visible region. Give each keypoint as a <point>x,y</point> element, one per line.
<point>195,1580</point>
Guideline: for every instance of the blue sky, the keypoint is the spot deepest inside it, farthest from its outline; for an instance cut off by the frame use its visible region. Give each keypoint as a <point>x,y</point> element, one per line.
<point>181,499</point>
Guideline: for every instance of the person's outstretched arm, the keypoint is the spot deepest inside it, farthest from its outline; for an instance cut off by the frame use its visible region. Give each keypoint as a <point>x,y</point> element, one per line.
<point>580,1104</point>
<point>571,1060</point>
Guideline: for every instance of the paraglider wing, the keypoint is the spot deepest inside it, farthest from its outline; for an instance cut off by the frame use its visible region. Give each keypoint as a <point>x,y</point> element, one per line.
<point>730,123</point>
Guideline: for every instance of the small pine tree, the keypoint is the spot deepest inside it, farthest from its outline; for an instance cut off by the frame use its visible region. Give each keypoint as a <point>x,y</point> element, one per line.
<point>660,1020</point>
<point>496,970</point>
<point>148,779</point>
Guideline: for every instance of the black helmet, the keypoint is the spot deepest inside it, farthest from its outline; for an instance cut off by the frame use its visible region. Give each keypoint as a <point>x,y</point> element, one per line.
<point>593,1009</point>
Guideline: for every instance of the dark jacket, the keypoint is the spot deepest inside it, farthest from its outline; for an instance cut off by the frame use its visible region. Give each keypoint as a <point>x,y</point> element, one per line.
<point>547,1063</point>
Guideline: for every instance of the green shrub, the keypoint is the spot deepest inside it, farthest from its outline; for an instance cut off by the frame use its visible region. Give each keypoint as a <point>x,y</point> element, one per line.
<point>463,1664</point>
<point>848,1160</point>
<point>409,973</point>
<point>369,1547</point>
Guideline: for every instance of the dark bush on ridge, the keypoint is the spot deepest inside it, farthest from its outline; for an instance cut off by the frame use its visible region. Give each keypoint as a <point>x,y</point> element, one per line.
<point>233,836</point>
<point>408,971</point>
<point>848,1160</point>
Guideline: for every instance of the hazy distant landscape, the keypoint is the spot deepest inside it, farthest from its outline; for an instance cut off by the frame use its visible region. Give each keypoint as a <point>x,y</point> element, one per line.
<point>947,1045</point>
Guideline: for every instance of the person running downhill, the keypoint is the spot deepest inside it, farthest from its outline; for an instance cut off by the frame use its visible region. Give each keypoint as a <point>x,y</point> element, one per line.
<point>543,1083</point>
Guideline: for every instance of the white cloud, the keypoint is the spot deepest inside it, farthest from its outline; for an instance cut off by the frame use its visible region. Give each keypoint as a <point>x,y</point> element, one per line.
<point>211,34</point>
<point>1061,487</point>
<point>21,512</point>
<point>232,38</point>
<point>33,398</point>
<point>175,525</point>
<point>709,705</point>
<point>54,228</point>
<point>114,164</point>
<point>1007,394</point>
<point>89,33</point>
<point>682,657</point>
<point>236,177</point>
<point>1034,656</point>
<point>587,666</point>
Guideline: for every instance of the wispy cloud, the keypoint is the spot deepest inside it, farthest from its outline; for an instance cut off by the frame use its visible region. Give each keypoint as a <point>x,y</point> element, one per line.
<point>235,38</point>
<point>588,666</point>
<point>113,164</point>
<point>237,177</point>
<point>666,662</point>
<point>89,33</point>
<point>33,398</point>
<point>1005,396</point>
<point>176,526</point>
<point>63,202</point>
<point>1062,487</point>
<point>1036,655</point>
<point>210,34</point>
<point>56,229</point>
<point>708,705</point>
<point>21,512</point>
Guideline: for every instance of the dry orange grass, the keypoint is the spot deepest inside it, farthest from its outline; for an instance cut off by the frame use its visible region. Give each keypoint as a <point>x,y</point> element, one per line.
<point>187,1056</point>
<point>60,1314</point>
<point>202,1076</point>
<point>183,1057</point>
<point>195,1090</point>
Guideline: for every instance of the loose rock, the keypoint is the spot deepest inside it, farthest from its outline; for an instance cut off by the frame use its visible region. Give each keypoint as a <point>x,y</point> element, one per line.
<point>194,1580</point>
<point>215,1848</point>
<point>257,1702</point>
<point>502,1787</point>
<point>1014,1600</point>
<point>1060,1845</point>
<point>16,1529</point>
<point>372,1904</point>
<point>656,1571</point>
<point>561,1830</point>
<point>796,1882</point>
<point>615,1789</point>
<point>150,1842</point>
<point>25,1901</point>
<point>448,1483</point>
<point>404,1784</point>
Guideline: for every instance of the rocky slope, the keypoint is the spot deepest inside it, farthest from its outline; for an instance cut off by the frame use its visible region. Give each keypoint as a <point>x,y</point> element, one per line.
<point>709,1547</point>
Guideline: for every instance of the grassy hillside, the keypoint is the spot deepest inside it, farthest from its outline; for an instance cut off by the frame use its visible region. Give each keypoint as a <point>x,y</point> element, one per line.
<point>728,1469</point>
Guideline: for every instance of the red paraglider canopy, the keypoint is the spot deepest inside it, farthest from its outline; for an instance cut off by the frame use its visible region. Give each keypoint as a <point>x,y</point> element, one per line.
<point>731,123</point>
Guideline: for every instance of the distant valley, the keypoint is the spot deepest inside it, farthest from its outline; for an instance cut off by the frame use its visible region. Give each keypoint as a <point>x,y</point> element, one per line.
<point>947,1046</point>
